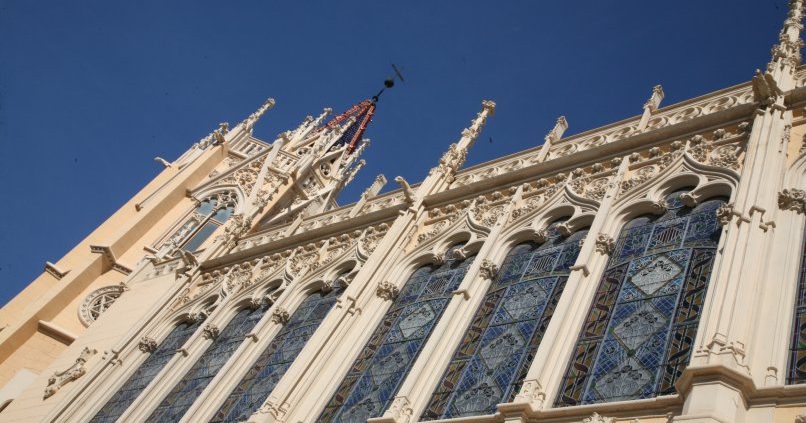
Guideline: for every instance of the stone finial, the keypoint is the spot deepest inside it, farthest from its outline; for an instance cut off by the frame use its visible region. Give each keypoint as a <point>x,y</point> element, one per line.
<point>388,291</point>
<point>210,331</point>
<point>375,188</point>
<point>250,121</point>
<point>787,51</point>
<point>654,100</point>
<point>557,132</point>
<point>792,199</point>
<point>75,371</point>
<point>488,269</point>
<point>604,244</point>
<point>280,316</point>
<point>147,345</point>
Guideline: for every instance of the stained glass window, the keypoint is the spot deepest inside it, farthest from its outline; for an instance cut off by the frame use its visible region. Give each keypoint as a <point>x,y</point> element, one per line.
<point>144,374</point>
<point>638,334</point>
<point>797,355</point>
<point>273,362</point>
<point>174,406</point>
<point>211,213</point>
<point>371,383</point>
<point>494,356</point>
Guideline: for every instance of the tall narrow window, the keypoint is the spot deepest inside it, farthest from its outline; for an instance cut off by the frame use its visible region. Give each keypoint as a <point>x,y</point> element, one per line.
<point>174,406</point>
<point>637,338</point>
<point>371,383</point>
<point>272,364</point>
<point>211,213</point>
<point>494,356</point>
<point>797,355</point>
<point>144,374</point>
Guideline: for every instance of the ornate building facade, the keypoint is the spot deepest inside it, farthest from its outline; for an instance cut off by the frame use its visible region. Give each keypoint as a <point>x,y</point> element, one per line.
<point>652,270</point>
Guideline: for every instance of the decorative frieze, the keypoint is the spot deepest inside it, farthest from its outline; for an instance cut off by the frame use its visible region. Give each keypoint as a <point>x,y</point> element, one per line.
<point>147,345</point>
<point>604,244</point>
<point>792,199</point>
<point>75,371</point>
<point>387,291</point>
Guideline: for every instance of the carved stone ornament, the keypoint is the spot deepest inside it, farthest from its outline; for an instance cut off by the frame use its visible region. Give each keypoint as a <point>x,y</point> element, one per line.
<point>596,418</point>
<point>210,331</point>
<point>401,410</point>
<point>280,316</point>
<point>688,199</point>
<point>274,410</point>
<point>388,291</point>
<point>147,345</point>
<point>70,374</point>
<point>792,199</point>
<point>438,259</point>
<point>724,214</point>
<point>800,418</point>
<point>488,269</point>
<point>658,207</point>
<point>531,392</point>
<point>604,244</point>
<point>540,236</point>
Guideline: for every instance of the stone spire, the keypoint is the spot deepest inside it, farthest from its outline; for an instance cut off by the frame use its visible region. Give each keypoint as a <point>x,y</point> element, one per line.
<point>651,106</point>
<point>786,54</point>
<point>252,119</point>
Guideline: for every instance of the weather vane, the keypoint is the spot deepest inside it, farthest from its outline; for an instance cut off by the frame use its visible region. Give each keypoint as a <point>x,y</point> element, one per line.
<point>389,83</point>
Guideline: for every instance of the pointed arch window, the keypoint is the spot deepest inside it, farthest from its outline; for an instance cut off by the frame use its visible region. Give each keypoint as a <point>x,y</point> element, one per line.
<point>797,354</point>
<point>179,400</point>
<point>371,383</point>
<point>271,365</point>
<point>210,214</point>
<point>637,338</point>
<point>144,374</point>
<point>497,349</point>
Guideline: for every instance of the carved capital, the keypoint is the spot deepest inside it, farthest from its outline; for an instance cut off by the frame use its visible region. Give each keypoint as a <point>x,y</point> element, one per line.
<point>400,410</point>
<point>280,316</point>
<point>275,410</point>
<point>792,199</point>
<point>604,244</point>
<point>488,269</point>
<point>210,331</point>
<point>147,345</point>
<point>724,214</point>
<point>532,393</point>
<point>688,199</point>
<point>564,229</point>
<point>459,254</point>
<point>75,371</point>
<point>596,418</point>
<point>388,291</point>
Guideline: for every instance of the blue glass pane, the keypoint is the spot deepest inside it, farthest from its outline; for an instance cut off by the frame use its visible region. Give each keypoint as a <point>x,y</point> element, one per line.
<point>370,385</point>
<point>144,374</point>
<point>206,207</point>
<point>222,215</point>
<point>797,354</point>
<point>273,362</point>
<point>200,236</point>
<point>638,336</point>
<point>179,400</point>
<point>497,349</point>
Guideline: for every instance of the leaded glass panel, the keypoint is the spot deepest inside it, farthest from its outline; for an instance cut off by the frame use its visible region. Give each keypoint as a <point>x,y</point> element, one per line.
<point>179,400</point>
<point>273,362</point>
<point>144,374</point>
<point>638,335</point>
<point>797,355</point>
<point>370,385</point>
<point>494,356</point>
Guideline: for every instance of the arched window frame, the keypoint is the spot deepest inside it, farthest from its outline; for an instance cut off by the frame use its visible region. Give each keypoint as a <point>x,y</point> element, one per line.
<point>204,223</point>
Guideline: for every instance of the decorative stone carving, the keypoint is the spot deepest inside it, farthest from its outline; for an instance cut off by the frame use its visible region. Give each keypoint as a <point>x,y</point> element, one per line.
<point>438,259</point>
<point>196,317</point>
<point>688,199</point>
<point>387,290</point>
<point>564,229</point>
<point>459,254</point>
<point>274,410</point>
<point>540,236</point>
<point>97,302</point>
<point>452,160</point>
<point>604,244</point>
<point>596,418</point>
<point>210,331</point>
<point>792,199</point>
<point>488,269</point>
<point>59,379</point>
<point>280,316</point>
<point>147,345</point>
<point>658,207</point>
<point>800,418</point>
<point>401,410</point>
<point>256,302</point>
<point>724,214</point>
<point>408,193</point>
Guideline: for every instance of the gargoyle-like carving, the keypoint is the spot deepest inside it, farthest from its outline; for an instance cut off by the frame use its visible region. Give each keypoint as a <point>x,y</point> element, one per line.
<point>147,345</point>
<point>387,290</point>
<point>792,199</point>
<point>765,89</point>
<point>408,193</point>
<point>488,269</point>
<point>724,214</point>
<point>280,316</point>
<point>604,244</point>
<point>210,331</point>
<point>70,374</point>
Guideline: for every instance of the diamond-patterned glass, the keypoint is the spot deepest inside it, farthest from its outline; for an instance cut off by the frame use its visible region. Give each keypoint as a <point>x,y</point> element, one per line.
<point>637,337</point>
<point>372,381</point>
<point>144,374</point>
<point>497,349</point>
<point>179,400</point>
<point>797,354</point>
<point>273,362</point>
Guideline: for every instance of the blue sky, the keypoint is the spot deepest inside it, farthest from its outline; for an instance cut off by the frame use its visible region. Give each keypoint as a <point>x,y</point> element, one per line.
<point>91,91</point>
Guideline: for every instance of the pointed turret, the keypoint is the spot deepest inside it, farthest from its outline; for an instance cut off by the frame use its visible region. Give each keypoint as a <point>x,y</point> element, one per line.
<point>786,54</point>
